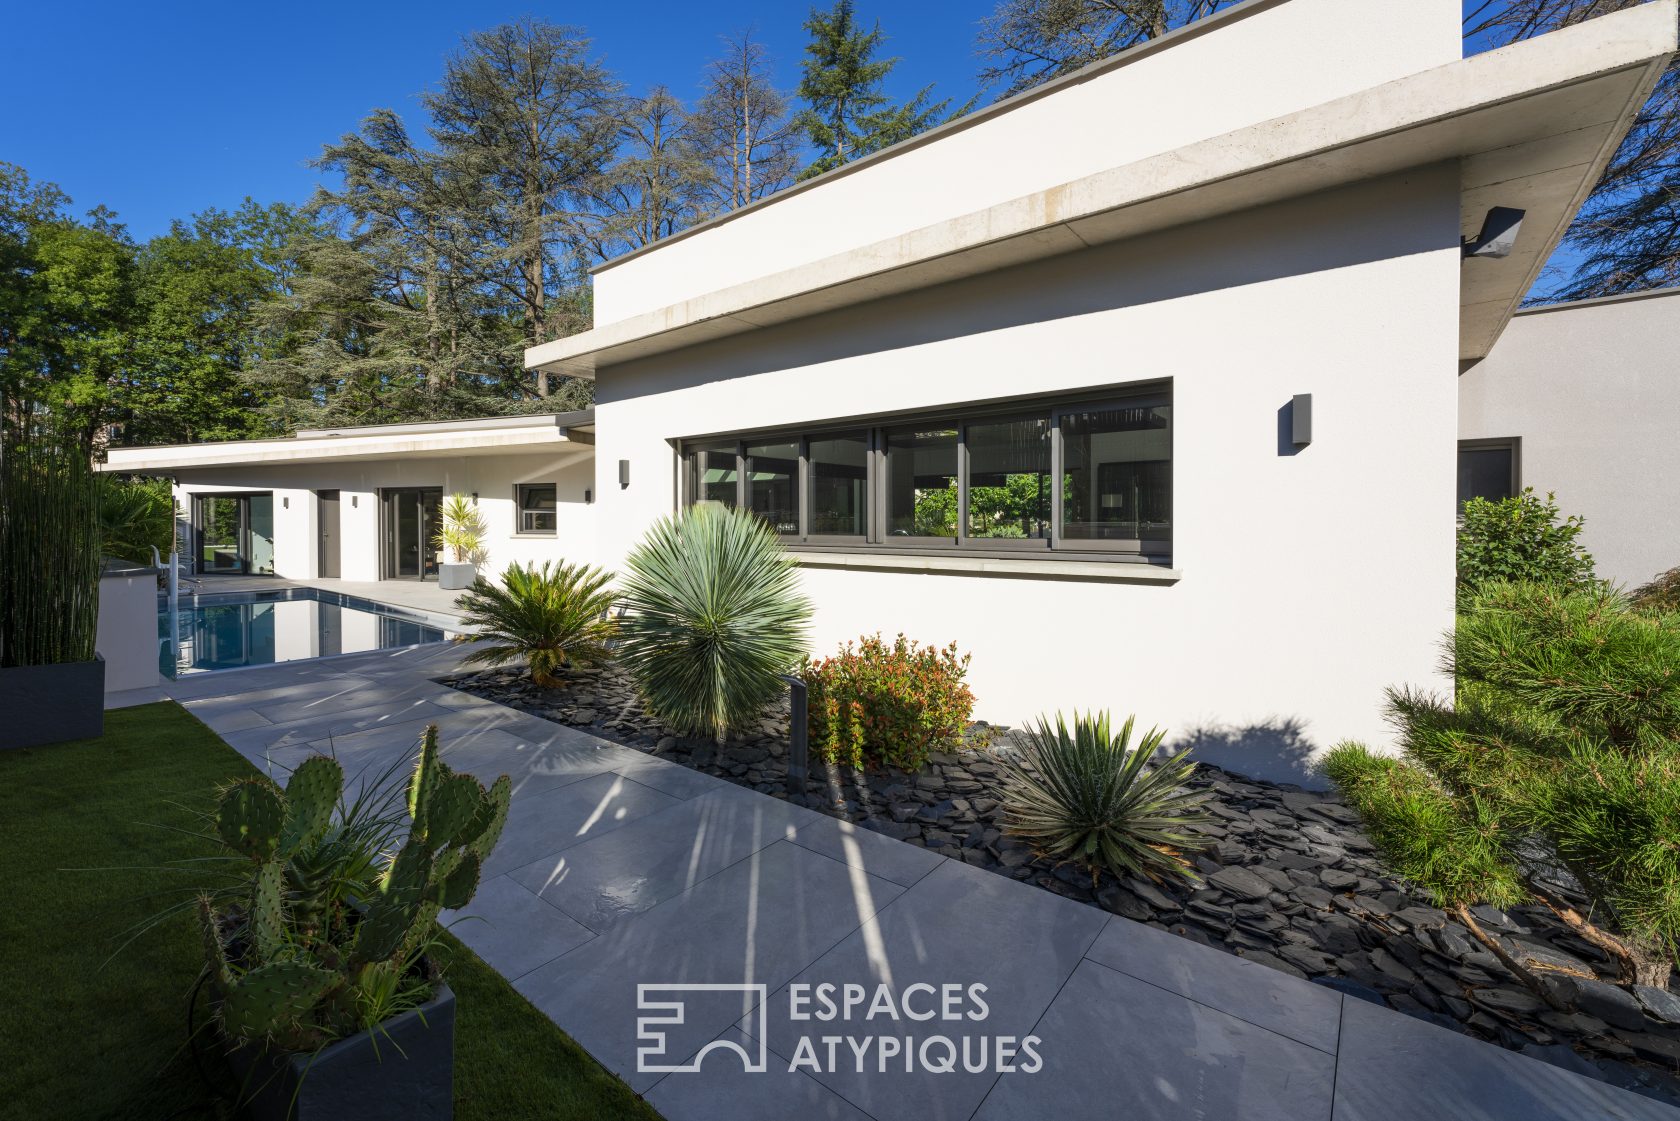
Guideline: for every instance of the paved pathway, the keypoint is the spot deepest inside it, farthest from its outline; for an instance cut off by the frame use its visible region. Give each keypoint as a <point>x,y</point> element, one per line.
<point>618,869</point>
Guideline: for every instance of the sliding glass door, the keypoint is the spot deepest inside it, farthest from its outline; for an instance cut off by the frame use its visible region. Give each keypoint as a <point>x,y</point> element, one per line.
<point>410,515</point>
<point>235,533</point>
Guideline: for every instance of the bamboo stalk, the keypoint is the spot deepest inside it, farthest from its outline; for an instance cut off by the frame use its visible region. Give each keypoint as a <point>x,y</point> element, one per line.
<point>49,545</point>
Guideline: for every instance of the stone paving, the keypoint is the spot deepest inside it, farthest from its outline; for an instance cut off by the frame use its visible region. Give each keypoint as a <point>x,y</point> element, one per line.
<point>619,869</point>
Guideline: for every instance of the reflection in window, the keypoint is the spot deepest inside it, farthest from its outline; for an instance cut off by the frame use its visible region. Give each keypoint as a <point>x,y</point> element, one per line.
<point>1009,478</point>
<point>773,482</point>
<point>714,473</point>
<point>922,482</point>
<point>839,467</point>
<point>1117,474</point>
<point>536,508</point>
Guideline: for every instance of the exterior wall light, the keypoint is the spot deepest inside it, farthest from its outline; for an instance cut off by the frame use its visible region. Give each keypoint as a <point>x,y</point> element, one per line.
<point>1300,420</point>
<point>1499,234</point>
<point>624,473</point>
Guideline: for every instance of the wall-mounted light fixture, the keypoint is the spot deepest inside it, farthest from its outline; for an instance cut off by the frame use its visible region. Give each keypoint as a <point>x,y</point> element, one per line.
<point>1499,233</point>
<point>1300,419</point>
<point>285,503</point>
<point>623,472</point>
<point>475,498</point>
<point>353,501</point>
<point>588,496</point>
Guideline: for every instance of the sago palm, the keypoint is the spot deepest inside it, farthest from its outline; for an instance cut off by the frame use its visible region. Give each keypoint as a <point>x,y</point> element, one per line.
<point>713,616</point>
<point>550,616</point>
<point>1086,796</point>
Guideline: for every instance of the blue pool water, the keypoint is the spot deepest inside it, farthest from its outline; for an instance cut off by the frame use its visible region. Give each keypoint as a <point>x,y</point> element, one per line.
<point>217,631</point>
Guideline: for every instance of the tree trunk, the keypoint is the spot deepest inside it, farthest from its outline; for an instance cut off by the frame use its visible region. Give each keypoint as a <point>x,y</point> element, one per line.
<point>1518,970</point>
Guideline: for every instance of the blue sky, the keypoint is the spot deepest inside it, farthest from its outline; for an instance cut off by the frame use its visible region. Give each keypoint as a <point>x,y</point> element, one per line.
<point>163,109</point>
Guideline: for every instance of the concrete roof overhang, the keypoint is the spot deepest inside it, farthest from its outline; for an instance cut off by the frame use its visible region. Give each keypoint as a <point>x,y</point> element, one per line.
<point>520,435</point>
<point>1532,125</point>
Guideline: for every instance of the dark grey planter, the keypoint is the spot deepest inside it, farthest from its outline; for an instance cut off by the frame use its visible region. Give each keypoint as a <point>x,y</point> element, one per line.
<point>456,577</point>
<point>404,1072</point>
<point>52,704</point>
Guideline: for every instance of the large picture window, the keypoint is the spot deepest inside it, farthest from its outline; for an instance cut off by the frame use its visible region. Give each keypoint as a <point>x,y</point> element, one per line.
<point>1075,476</point>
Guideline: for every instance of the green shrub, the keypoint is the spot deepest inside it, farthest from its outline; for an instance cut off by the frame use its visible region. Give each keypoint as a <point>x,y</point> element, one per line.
<point>1561,750</point>
<point>714,616</point>
<point>1661,594</point>
<point>549,616</point>
<point>1519,539</point>
<point>887,704</point>
<point>136,516</point>
<point>1087,797</point>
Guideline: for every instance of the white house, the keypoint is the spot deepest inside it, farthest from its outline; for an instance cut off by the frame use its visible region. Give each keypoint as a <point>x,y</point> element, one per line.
<point>1029,381</point>
<point>361,504</point>
<point>1583,400</point>
<point>1142,386</point>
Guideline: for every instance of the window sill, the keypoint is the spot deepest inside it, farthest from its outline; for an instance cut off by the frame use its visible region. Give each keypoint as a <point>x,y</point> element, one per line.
<point>534,536</point>
<point>1123,572</point>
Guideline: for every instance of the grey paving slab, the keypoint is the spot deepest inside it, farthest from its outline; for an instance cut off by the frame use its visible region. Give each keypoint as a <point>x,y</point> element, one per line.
<point>1396,1068</point>
<point>877,854</point>
<point>322,725</point>
<point>513,930</point>
<point>723,1090</point>
<point>1113,1046</point>
<point>244,690</point>
<point>672,778</point>
<point>658,857</point>
<point>531,764</point>
<point>758,922</point>
<point>229,719</point>
<point>1301,1010</point>
<point>545,823</point>
<point>957,926</point>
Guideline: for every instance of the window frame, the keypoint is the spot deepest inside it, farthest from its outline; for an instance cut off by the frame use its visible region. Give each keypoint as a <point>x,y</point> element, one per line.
<point>519,529</point>
<point>876,429</point>
<point>1491,443</point>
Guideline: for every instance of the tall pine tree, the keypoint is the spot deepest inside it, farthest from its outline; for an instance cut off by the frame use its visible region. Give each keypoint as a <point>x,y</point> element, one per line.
<point>846,115</point>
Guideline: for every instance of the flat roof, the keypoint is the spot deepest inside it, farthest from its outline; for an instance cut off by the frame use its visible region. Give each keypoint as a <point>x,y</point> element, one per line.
<point>501,435</point>
<point>1533,125</point>
<point>1600,301</point>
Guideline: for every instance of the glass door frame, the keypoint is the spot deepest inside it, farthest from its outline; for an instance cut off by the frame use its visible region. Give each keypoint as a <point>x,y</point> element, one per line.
<point>389,498</point>
<point>242,534</point>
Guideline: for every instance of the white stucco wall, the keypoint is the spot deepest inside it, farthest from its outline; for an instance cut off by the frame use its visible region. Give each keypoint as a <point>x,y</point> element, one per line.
<point>1310,581</point>
<point>493,477</point>
<point>127,632</point>
<point>1276,59</point>
<point>1593,391</point>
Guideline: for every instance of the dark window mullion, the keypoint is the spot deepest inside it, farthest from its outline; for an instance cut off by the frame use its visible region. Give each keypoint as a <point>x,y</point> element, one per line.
<point>962,483</point>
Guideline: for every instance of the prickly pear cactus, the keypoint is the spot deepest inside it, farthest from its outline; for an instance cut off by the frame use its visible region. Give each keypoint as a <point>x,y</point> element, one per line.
<point>312,794</point>
<point>249,817</point>
<point>305,968</point>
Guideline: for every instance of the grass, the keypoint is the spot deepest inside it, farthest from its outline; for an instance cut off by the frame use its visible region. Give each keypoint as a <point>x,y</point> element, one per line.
<point>97,1029</point>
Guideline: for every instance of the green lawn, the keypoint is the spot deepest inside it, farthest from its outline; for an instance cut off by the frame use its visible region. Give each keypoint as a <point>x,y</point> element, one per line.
<point>92,1031</point>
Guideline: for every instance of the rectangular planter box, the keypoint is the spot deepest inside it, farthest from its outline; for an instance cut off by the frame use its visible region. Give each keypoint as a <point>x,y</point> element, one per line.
<point>52,704</point>
<point>456,577</point>
<point>405,1073</point>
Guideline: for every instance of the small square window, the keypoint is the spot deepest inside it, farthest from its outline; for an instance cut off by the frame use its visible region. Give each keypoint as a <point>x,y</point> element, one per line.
<point>1486,469</point>
<point>536,502</point>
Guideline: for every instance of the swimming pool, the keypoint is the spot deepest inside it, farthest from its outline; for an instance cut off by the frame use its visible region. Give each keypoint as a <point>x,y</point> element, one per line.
<point>227,630</point>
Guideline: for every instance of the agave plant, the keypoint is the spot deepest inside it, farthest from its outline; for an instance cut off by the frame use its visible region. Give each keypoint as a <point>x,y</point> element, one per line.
<point>1086,796</point>
<point>549,616</point>
<point>714,617</point>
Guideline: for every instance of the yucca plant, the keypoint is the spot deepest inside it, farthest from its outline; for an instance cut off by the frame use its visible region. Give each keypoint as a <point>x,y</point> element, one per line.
<point>1086,796</point>
<point>714,617</point>
<point>461,530</point>
<point>549,616</point>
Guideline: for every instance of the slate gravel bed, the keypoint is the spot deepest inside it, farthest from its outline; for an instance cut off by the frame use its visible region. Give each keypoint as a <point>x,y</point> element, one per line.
<point>1290,882</point>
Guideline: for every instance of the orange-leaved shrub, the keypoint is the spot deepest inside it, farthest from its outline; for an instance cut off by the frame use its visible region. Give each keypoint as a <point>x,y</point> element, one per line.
<point>881,704</point>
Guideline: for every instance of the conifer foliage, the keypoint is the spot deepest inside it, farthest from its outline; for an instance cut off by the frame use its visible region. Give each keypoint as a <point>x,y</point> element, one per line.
<point>1552,776</point>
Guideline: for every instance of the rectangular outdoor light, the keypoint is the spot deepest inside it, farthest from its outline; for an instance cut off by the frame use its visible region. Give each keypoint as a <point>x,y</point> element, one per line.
<point>1498,235</point>
<point>624,472</point>
<point>1300,419</point>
